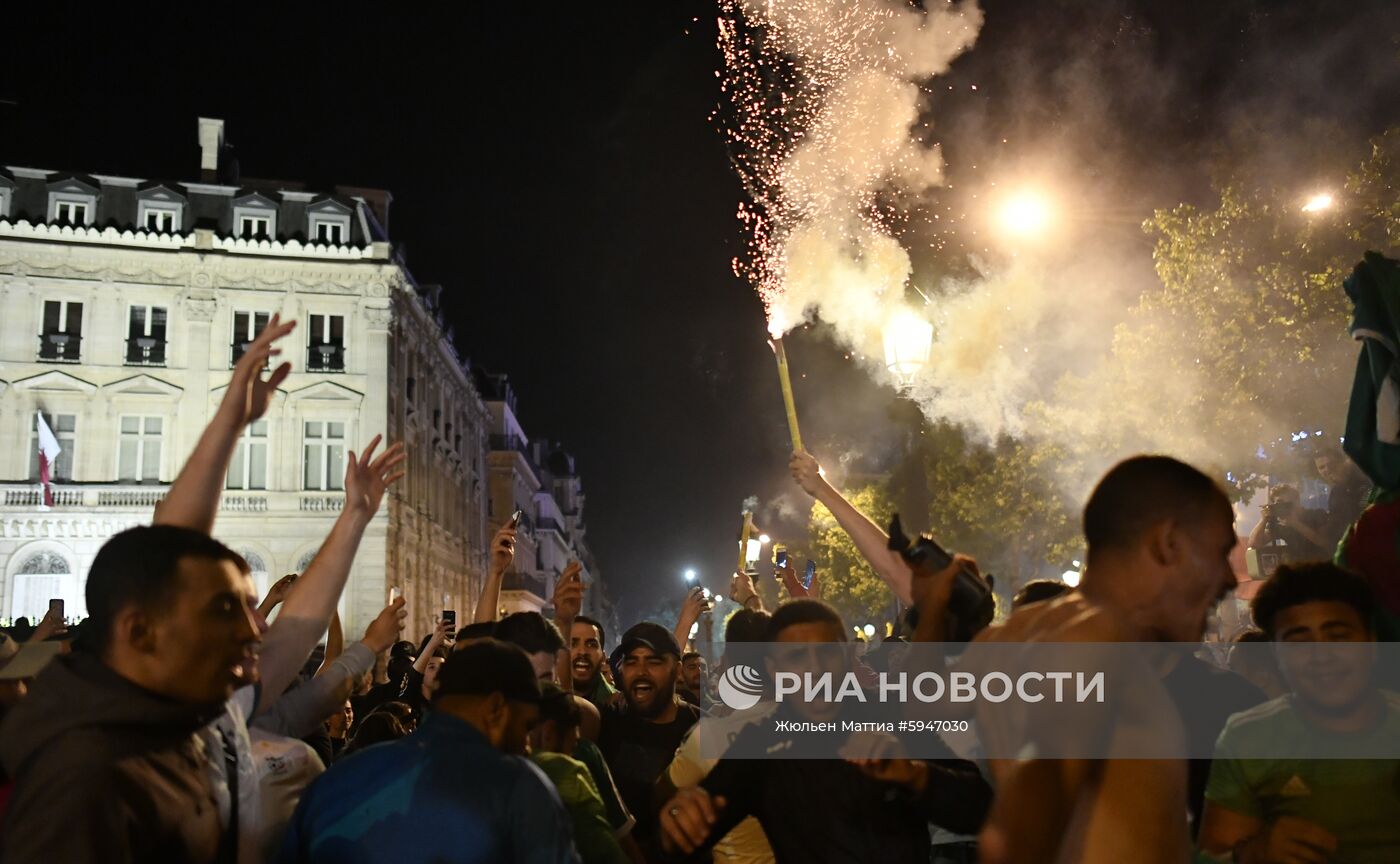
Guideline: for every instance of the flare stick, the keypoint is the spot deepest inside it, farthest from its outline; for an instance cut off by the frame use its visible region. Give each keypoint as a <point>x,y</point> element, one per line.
<point>786,381</point>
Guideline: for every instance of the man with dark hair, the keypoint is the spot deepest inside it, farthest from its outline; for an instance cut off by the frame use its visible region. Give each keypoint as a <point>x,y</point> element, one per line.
<point>1159,537</point>
<point>823,810</point>
<point>694,675</point>
<point>745,843</point>
<point>1039,590</point>
<point>537,636</point>
<point>105,754</point>
<point>551,741</point>
<point>457,789</point>
<point>171,633</point>
<point>1335,797</point>
<point>586,659</point>
<point>639,737</point>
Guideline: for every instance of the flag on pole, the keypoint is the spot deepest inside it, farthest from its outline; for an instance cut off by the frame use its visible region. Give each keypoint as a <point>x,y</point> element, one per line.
<point>48,455</point>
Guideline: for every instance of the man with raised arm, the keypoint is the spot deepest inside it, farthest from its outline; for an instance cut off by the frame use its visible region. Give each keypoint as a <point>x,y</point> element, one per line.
<point>152,759</point>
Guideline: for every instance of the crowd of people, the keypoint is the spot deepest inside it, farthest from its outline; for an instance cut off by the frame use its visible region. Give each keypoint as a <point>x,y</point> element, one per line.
<point>189,720</point>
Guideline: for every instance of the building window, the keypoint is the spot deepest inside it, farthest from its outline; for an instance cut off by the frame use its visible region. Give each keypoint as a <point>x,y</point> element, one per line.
<point>246,327</point>
<point>332,233</point>
<point>71,212</point>
<point>323,456</point>
<point>61,339</point>
<point>4,203</point>
<point>145,336</point>
<point>255,227</point>
<point>257,568</point>
<point>63,427</point>
<point>40,578</point>
<point>248,469</point>
<point>326,352</point>
<point>138,457</point>
<point>160,221</point>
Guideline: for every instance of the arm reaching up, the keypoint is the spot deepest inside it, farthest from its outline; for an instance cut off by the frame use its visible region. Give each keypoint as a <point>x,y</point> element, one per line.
<point>691,610</point>
<point>568,605</point>
<point>193,499</point>
<point>869,538</point>
<point>307,610</point>
<point>502,556</point>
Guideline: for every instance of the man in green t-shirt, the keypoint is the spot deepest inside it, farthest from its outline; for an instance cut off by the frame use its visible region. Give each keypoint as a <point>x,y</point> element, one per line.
<point>1298,779</point>
<point>554,736</point>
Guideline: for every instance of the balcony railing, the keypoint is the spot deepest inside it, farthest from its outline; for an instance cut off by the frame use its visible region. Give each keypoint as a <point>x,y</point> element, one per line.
<point>145,351</point>
<point>325,358</point>
<point>105,496</point>
<point>60,347</point>
<point>330,502</point>
<point>517,581</point>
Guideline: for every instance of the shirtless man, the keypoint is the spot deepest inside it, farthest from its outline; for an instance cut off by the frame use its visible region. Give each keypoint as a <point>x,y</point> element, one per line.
<point>1159,535</point>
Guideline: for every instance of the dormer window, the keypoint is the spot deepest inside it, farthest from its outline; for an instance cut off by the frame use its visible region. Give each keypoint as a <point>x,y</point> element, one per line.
<point>70,212</point>
<point>72,202</point>
<point>159,221</point>
<point>328,222</point>
<point>253,227</point>
<point>330,233</point>
<point>254,218</point>
<point>159,210</point>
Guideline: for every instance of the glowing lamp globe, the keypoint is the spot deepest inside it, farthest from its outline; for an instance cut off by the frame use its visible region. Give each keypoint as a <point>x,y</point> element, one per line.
<point>908,341</point>
<point>1070,578</point>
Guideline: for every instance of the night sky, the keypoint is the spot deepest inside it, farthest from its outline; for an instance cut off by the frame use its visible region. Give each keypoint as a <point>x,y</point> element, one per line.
<point>555,168</point>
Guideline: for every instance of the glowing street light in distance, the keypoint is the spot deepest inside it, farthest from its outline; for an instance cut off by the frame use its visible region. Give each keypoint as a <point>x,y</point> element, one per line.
<point>690,575</point>
<point>1025,214</point>
<point>1319,202</point>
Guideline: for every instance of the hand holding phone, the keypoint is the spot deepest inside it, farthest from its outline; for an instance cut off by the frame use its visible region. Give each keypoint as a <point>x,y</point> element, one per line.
<point>449,617</point>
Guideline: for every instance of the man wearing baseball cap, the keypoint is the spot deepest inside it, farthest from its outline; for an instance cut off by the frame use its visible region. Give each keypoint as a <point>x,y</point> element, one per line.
<point>457,789</point>
<point>639,737</point>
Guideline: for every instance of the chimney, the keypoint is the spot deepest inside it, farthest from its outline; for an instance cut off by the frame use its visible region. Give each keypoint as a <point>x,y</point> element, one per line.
<point>211,141</point>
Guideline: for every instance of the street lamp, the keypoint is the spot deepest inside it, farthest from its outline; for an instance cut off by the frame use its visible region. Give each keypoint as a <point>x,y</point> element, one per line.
<point>1319,202</point>
<point>755,547</point>
<point>1070,578</point>
<point>1025,214</point>
<point>908,340</point>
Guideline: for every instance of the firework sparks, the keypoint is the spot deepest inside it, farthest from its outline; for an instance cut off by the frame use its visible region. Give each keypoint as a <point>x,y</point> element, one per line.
<point>821,116</point>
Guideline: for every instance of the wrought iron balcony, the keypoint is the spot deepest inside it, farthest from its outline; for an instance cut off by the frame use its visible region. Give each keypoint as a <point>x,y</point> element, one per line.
<point>145,351</point>
<point>325,358</point>
<point>60,347</point>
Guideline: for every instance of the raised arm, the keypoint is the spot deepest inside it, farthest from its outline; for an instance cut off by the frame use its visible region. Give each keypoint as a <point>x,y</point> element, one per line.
<point>869,538</point>
<point>193,499</point>
<point>335,642</point>
<point>568,605</point>
<point>307,610</point>
<point>502,556</point>
<point>691,610</point>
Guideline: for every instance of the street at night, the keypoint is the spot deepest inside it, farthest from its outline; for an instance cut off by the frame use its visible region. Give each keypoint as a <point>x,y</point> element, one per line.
<point>931,431</point>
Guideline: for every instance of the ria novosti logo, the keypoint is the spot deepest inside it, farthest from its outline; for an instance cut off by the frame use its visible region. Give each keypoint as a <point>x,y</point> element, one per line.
<point>740,687</point>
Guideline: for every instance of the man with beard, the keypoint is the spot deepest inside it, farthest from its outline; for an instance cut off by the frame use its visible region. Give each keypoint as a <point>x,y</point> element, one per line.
<point>586,660</point>
<point>694,678</point>
<point>639,737</point>
<point>823,809</point>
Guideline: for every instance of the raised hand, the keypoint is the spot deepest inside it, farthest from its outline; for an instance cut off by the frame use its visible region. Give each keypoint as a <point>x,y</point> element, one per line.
<point>503,549</point>
<point>568,593</point>
<point>368,476</point>
<point>384,630</point>
<point>807,472</point>
<point>741,588</point>
<point>277,593</point>
<point>248,393</point>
